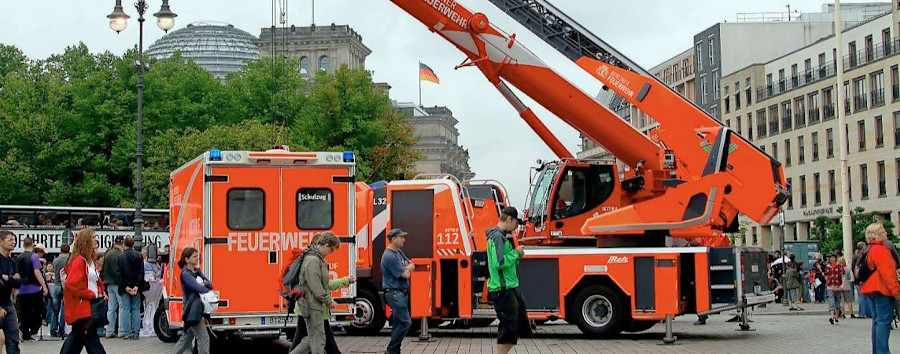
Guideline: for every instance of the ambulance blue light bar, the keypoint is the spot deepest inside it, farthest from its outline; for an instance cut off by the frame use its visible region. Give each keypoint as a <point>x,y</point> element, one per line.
<point>215,155</point>
<point>348,156</point>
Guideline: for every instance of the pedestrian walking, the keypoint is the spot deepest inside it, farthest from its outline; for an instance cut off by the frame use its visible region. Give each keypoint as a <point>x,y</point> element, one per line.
<point>880,287</point>
<point>56,291</point>
<point>316,302</point>
<point>792,287</point>
<point>32,292</point>
<point>83,287</point>
<point>300,333</point>
<point>834,278</point>
<point>396,269</point>
<point>51,318</point>
<point>192,311</point>
<point>9,273</point>
<point>131,267</point>
<point>503,284</point>
<point>846,290</point>
<point>152,276</point>
<point>112,277</point>
<point>819,282</point>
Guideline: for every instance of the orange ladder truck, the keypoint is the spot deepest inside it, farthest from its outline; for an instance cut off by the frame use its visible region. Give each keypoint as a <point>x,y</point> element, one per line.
<point>599,240</point>
<point>245,211</point>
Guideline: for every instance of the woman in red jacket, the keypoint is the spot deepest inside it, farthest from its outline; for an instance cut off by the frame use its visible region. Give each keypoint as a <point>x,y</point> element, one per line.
<point>82,285</point>
<point>881,288</point>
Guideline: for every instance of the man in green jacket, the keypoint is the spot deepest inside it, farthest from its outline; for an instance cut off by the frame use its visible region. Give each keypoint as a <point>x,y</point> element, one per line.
<point>317,301</point>
<point>503,284</point>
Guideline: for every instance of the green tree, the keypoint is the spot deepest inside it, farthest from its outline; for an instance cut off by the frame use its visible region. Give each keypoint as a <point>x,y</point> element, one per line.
<point>11,60</point>
<point>831,233</point>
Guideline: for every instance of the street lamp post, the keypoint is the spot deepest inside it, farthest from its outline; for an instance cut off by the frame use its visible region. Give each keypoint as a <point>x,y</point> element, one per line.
<point>118,20</point>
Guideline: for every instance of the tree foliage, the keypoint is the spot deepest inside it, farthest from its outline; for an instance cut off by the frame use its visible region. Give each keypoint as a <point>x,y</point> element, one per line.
<point>831,232</point>
<point>68,122</point>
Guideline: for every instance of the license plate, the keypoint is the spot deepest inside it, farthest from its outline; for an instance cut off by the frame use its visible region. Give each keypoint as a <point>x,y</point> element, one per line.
<point>279,320</point>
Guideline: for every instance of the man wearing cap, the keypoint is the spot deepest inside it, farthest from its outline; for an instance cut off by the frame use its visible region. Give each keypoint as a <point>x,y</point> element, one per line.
<point>503,285</point>
<point>32,291</point>
<point>396,269</point>
<point>111,275</point>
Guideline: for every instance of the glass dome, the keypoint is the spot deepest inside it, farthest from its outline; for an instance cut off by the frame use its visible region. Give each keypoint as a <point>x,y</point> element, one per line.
<point>217,47</point>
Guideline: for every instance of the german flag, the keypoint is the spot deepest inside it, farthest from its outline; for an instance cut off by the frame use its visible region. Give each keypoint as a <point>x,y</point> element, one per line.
<point>426,74</point>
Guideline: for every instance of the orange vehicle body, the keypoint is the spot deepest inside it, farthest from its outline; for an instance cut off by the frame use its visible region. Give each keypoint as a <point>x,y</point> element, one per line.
<point>245,212</point>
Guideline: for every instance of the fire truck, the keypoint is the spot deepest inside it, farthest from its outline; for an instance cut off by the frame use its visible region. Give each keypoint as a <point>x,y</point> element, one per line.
<point>245,211</point>
<point>602,242</point>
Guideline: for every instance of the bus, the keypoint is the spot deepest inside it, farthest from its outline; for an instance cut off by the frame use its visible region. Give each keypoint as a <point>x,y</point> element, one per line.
<point>47,224</point>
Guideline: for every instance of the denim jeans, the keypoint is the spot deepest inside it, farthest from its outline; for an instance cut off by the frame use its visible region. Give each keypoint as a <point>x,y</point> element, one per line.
<point>400,321</point>
<point>883,313</point>
<point>865,304</point>
<point>52,317</point>
<point>10,327</point>
<point>112,312</point>
<point>129,315</point>
<point>57,323</point>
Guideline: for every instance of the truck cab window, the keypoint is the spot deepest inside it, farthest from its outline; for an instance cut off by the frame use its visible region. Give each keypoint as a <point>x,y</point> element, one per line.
<point>315,209</point>
<point>538,206</point>
<point>582,189</point>
<point>246,209</point>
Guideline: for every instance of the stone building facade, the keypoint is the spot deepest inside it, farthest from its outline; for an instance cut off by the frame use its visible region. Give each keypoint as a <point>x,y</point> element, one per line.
<point>435,127</point>
<point>317,47</point>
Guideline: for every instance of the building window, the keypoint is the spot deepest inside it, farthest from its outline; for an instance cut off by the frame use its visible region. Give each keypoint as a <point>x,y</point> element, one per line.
<point>882,183</point>
<point>847,97</point>
<point>801,150</point>
<point>773,119</point>
<point>832,194</point>
<point>886,41</point>
<point>761,124</point>
<point>795,76</point>
<point>699,56</point>
<point>861,133</point>
<point>712,58</point>
<point>739,125</point>
<point>897,129</point>
<point>750,126</point>
<point>897,173</point>
<point>879,132</point>
<point>895,83</point>
<point>304,65</point>
<point>782,81</point>
<point>747,91</point>
<point>775,150</point>
<point>786,118</point>
<point>870,44</point>
<point>829,143</point>
<point>828,101</point>
<point>324,64</point>
<point>790,196</point>
<point>802,191</point>
<point>800,111</point>
<point>817,186</point>
<point>703,93</point>
<point>877,81</point>
<point>860,101</point>
<point>715,80</point>
<point>864,180</point>
<point>851,50</point>
<point>770,90</point>
<point>787,152</point>
<point>813,100</point>
<point>815,145</point>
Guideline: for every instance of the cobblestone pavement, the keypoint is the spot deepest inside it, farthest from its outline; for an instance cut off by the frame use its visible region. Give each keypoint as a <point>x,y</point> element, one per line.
<point>773,334</point>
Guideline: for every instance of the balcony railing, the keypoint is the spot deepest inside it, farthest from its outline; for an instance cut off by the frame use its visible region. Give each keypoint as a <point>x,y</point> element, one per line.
<point>773,127</point>
<point>800,119</point>
<point>827,70</point>
<point>859,103</point>
<point>829,112</point>
<point>786,122</point>
<point>813,115</point>
<point>878,97</point>
<point>761,131</point>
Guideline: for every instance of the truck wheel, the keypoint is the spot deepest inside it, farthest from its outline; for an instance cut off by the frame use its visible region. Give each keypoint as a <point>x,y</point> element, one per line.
<point>161,327</point>
<point>368,319</point>
<point>638,326</point>
<point>597,311</point>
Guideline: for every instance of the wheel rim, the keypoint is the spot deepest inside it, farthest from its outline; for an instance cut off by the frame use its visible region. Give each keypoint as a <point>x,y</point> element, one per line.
<point>597,311</point>
<point>163,323</point>
<point>364,314</point>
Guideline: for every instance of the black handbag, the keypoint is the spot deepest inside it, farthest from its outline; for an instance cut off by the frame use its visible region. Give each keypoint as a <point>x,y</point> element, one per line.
<point>99,307</point>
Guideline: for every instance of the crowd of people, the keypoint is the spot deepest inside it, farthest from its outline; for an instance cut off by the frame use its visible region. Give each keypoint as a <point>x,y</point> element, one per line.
<point>870,280</point>
<point>104,221</point>
<point>60,292</point>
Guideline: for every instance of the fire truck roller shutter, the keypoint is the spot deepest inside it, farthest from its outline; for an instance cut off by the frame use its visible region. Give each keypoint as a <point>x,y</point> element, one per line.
<point>413,212</point>
<point>538,283</point>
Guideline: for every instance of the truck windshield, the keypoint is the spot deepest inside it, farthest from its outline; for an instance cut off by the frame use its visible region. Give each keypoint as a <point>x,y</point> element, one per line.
<point>541,195</point>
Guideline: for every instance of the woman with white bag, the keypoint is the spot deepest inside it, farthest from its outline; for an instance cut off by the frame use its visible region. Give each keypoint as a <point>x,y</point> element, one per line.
<point>193,313</point>
<point>152,274</point>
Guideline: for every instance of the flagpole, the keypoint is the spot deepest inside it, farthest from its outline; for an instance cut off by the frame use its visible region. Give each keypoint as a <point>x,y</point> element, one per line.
<point>420,84</point>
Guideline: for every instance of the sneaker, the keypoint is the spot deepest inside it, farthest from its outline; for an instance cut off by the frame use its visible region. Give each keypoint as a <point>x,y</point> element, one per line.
<point>831,320</point>
<point>792,309</point>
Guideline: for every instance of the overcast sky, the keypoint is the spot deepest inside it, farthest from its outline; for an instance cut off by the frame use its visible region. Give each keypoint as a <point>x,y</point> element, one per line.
<point>500,145</point>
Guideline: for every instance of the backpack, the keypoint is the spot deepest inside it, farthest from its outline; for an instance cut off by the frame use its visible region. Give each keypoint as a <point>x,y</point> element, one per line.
<point>862,271</point>
<point>26,270</point>
<point>291,289</point>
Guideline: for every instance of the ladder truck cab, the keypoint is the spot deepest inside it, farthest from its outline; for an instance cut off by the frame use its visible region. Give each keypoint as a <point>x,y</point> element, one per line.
<point>245,211</point>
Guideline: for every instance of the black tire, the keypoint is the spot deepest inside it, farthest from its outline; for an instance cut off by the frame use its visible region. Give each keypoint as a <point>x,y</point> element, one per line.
<point>369,317</point>
<point>161,327</point>
<point>598,311</point>
<point>638,326</point>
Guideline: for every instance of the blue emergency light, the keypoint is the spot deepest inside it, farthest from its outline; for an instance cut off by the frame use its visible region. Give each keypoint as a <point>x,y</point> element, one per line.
<point>348,156</point>
<point>215,155</point>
